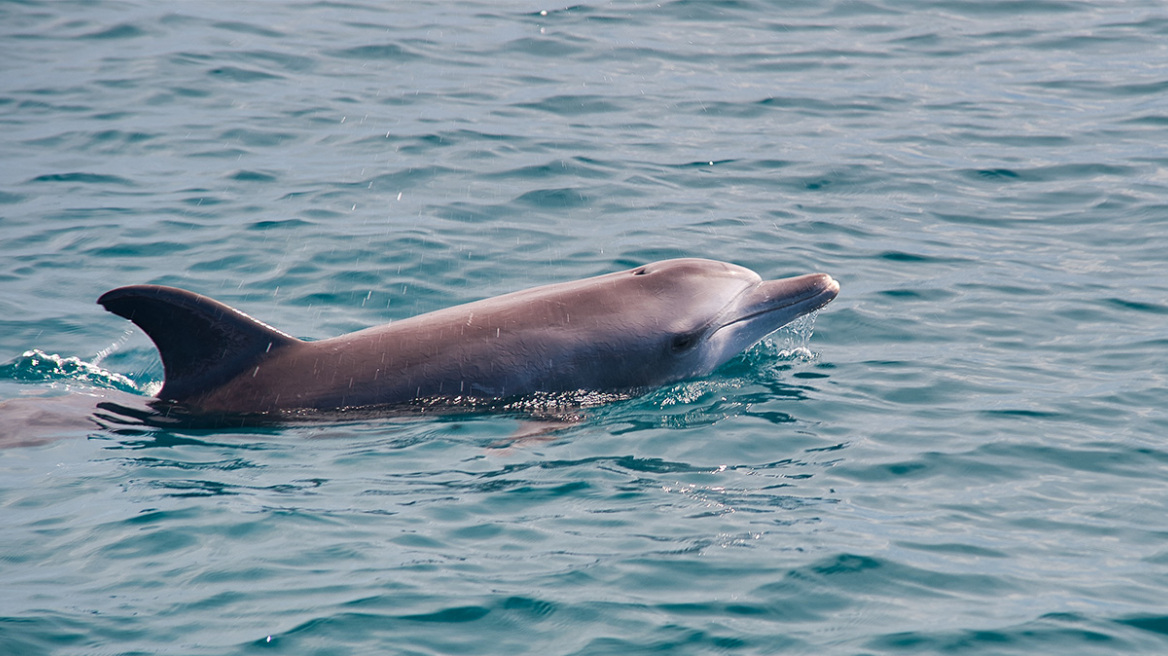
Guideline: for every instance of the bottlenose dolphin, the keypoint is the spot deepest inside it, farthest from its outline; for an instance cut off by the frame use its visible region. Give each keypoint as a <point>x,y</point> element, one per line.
<point>622,332</point>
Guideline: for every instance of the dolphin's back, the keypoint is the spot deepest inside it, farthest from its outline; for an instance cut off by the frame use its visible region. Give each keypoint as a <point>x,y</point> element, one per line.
<point>202,343</point>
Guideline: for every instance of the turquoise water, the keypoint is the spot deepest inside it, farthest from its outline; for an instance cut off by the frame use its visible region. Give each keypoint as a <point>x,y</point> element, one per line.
<point>964,453</point>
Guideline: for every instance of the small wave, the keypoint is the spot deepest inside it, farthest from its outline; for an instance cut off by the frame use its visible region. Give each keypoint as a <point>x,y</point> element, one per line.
<point>789,344</point>
<point>37,366</point>
<point>800,329</point>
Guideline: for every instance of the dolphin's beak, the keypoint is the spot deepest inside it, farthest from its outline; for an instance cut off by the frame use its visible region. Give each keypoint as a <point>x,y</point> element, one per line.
<point>771,304</point>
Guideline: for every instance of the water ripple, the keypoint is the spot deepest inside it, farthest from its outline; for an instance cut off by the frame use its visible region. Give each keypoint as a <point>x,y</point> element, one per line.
<point>961,458</point>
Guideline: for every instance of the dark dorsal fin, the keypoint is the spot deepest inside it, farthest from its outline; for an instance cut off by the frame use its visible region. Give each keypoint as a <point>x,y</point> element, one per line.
<point>203,343</point>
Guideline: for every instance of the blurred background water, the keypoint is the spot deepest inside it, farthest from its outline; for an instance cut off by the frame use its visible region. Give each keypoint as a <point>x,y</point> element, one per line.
<point>966,456</point>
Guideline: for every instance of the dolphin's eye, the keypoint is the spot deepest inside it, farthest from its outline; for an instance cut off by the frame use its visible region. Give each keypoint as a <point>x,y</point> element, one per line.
<point>683,342</point>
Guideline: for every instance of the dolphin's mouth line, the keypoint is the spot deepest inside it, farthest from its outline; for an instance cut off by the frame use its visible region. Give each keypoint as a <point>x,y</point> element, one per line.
<point>815,300</point>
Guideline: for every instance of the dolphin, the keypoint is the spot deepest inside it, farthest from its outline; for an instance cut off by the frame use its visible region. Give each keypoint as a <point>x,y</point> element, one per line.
<point>623,332</point>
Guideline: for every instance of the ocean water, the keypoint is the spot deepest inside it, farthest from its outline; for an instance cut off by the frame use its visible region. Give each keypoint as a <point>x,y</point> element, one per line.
<point>964,453</point>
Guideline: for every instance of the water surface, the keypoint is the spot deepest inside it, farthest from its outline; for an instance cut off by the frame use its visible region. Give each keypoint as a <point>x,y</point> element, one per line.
<point>962,454</point>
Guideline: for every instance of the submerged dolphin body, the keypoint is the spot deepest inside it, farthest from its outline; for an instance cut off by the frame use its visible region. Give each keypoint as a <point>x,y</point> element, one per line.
<point>621,332</point>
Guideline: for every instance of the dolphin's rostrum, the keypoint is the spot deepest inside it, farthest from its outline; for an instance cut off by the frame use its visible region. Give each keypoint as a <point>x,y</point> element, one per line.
<point>622,332</point>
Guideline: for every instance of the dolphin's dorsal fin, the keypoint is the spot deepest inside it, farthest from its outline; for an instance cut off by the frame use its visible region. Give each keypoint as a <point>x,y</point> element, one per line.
<point>203,343</point>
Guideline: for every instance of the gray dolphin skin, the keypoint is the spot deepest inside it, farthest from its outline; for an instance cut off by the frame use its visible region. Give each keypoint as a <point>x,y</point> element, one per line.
<point>622,332</point>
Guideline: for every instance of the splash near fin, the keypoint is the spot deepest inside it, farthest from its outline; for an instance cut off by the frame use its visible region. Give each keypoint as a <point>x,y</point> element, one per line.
<point>203,343</point>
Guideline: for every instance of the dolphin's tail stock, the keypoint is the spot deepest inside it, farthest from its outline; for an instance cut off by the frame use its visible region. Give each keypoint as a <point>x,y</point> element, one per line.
<point>203,343</point>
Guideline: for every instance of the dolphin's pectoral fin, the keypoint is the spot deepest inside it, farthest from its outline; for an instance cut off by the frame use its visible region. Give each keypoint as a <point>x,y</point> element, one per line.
<point>203,343</point>
<point>536,431</point>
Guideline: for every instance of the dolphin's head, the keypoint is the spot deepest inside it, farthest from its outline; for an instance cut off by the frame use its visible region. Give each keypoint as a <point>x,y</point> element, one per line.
<point>631,330</point>
<point>694,315</point>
